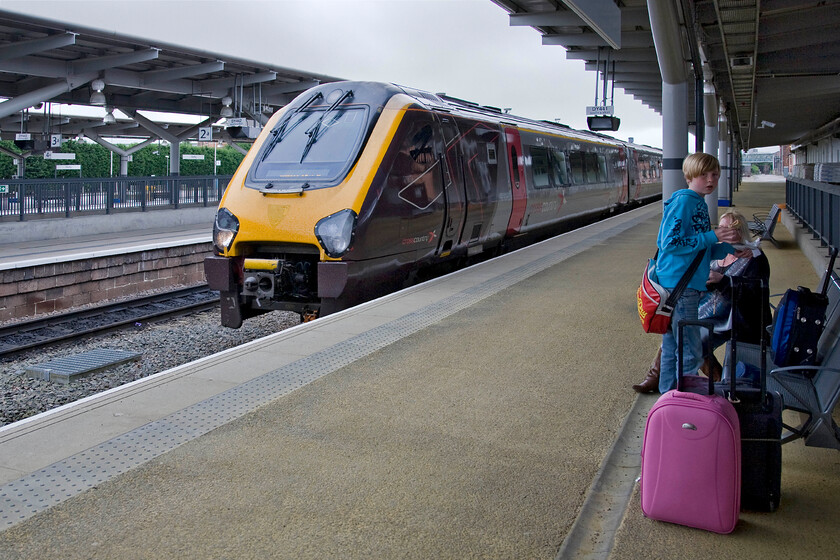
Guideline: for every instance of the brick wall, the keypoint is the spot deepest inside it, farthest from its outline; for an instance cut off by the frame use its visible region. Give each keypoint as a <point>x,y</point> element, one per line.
<point>27,293</point>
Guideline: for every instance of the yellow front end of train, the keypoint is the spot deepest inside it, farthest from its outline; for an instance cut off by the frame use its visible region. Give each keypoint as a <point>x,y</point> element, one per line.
<point>291,208</point>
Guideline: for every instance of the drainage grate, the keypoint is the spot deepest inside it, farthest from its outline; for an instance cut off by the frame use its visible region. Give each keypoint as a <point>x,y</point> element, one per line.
<point>65,370</point>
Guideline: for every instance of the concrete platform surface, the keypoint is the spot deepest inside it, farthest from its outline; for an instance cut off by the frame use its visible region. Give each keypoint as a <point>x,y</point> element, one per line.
<point>468,417</point>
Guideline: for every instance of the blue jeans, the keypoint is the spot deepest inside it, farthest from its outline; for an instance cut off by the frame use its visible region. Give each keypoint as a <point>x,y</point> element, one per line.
<point>686,308</point>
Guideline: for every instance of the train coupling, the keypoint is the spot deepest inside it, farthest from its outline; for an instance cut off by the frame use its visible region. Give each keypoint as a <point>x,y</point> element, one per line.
<point>259,277</point>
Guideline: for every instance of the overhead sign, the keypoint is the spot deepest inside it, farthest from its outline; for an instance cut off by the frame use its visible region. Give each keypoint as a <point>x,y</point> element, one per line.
<point>192,156</point>
<point>75,166</point>
<point>58,155</point>
<point>237,122</point>
<point>599,111</point>
<point>603,123</point>
<point>23,136</point>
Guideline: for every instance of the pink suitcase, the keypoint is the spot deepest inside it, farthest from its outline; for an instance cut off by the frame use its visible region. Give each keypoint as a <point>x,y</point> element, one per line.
<point>691,462</point>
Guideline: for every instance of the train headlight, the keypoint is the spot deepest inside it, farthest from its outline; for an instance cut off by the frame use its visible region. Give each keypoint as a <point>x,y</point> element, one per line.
<point>225,229</point>
<point>335,232</point>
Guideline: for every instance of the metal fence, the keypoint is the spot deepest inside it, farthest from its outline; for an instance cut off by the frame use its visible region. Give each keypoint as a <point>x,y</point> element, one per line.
<point>26,199</point>
<point>817,206</point>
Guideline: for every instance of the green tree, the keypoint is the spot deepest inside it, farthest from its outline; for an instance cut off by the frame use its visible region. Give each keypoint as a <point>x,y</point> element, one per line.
<point>96,161</point>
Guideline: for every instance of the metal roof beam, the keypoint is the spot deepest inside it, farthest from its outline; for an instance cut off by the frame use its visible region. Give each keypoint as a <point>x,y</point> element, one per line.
<point>620,66</point>
<point>219,87</point>
<point>46,93</point>
<point>152,126</point>
<point>602,16</point>
<point>105,62</point>
<point>625,54</point>
<point>293,87</point>
<point>24,48</point>
<point>546,19</point>
<point>180,72</point>
<point>33,66</point>
<point>630,39</point>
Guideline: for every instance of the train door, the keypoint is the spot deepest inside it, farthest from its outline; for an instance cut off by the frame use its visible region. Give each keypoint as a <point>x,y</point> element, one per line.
<point>517,179</point>
<point>632,173</point>
<point>453,185</point>
<point>622,170</point>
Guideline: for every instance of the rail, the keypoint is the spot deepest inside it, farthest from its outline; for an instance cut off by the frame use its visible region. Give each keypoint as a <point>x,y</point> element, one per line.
<point>817,206</point>
<point>72,325</point>
<point>26,199</point>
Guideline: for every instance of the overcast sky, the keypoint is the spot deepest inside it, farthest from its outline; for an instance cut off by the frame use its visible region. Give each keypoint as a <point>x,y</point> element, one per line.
<point>464,48</point>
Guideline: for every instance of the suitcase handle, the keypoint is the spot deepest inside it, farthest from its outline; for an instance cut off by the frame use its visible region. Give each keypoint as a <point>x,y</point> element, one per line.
<point>684,323</point>
<point>765,297</point>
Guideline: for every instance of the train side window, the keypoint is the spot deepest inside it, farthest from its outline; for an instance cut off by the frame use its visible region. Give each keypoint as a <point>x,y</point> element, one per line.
<point>411,171</point>
<point>576,159</point>
<point>539,167</point>
<point>449,129</point>
<point>514,163</point>
<point>561,174</point>
<point>602,168</point>
<point>590,163</point>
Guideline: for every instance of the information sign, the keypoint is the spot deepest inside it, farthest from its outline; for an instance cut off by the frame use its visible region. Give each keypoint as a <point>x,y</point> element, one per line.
<point>599,111</point>
<point>58,155</point>
<point>75,166</point>
<point>192,156</point>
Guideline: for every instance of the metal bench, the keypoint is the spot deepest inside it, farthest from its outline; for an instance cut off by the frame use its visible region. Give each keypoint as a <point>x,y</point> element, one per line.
<point>814,391</point>
<point>763,224</point>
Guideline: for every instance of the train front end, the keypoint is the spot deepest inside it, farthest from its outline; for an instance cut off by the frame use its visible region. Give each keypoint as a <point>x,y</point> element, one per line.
<point>289,215</point>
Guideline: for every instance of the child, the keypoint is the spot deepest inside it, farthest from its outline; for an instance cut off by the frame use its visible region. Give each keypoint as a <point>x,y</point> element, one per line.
<point>684,231</point>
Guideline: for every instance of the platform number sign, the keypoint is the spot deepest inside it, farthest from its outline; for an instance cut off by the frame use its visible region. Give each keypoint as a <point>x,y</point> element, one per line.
<point>205,134</point>
<point>55,140</point>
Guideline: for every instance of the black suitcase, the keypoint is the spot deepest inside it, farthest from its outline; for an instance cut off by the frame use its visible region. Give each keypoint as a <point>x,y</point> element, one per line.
<point>797,326</point>
<point>760,414</point>
<point>799,322</point>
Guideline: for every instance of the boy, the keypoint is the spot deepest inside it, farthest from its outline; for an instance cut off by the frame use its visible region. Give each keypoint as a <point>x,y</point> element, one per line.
<point>685,230</point>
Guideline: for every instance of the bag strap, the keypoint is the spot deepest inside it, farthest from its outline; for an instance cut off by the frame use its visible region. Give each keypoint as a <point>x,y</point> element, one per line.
<point>827,275</point>
<point>686,278</point>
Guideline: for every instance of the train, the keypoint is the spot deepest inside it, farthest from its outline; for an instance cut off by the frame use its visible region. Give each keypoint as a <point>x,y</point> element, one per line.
<point>356,189</point>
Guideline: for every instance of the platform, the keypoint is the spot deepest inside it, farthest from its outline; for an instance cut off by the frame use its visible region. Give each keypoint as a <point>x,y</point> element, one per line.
<point>23,254</point>
<point>470,416</point>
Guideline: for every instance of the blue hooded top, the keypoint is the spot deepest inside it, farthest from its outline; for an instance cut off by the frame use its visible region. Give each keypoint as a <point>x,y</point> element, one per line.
<point>684,231</point>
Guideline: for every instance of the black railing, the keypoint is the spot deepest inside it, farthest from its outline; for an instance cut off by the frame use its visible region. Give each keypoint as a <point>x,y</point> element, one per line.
<point>22,199</point>
<point>817,206</point>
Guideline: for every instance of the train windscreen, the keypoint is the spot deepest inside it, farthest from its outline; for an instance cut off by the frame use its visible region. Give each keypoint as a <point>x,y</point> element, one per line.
<point>310,146</point>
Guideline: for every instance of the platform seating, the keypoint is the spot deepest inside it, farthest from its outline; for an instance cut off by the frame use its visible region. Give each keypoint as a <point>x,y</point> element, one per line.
<point>814,390</point>
<point>763,224</point>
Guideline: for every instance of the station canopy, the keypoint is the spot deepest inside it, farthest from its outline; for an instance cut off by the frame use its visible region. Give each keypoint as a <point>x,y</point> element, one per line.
<point>774,63</point>
<point>48,64</point>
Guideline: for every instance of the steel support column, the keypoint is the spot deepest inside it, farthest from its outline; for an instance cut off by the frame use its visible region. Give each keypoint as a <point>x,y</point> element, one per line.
<point>724,192</point>
<point>674,137</point>
<point>710,114</point>
<point>665,28</point>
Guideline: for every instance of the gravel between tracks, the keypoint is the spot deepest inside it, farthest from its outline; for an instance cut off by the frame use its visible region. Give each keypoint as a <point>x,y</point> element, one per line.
<point>164,345</point>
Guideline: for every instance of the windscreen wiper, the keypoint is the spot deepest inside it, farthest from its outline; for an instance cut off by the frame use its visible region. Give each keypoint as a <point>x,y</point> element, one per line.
<point>313,131</point>
<point>280,132</point>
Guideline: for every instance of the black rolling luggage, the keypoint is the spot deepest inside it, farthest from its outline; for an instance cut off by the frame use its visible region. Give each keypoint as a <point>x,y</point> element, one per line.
<point>760,414</point>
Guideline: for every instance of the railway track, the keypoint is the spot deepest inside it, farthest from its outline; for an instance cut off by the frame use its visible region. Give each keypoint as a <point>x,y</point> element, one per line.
<point>28,335</point>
